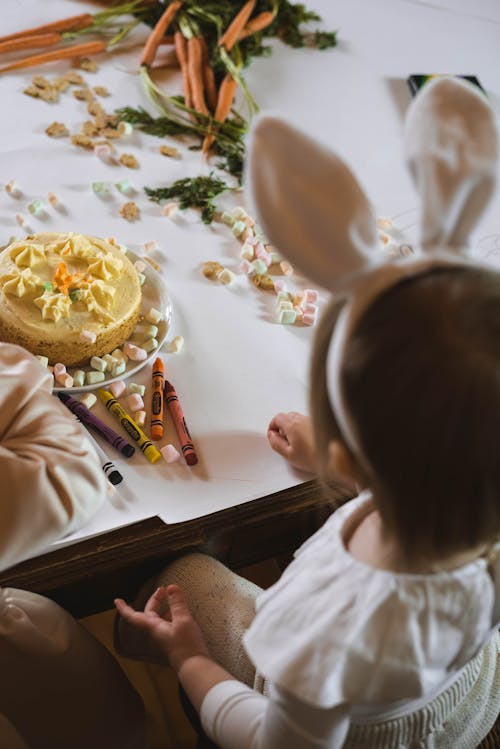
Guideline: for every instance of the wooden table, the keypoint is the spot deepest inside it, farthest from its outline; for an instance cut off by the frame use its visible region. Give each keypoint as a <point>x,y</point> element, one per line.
<point>86,576</point>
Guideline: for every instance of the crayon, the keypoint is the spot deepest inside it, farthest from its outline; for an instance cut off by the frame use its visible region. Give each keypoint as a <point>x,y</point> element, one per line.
<point>133,430</point>
<point>158,376</point>
<point>93,422</point>
<point>174,406</point>
<point>111,471</point>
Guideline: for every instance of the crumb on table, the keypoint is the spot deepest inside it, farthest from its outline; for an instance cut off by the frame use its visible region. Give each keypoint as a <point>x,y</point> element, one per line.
<point>129,160</point>
<point>130,211</point>
<point>57,130</point>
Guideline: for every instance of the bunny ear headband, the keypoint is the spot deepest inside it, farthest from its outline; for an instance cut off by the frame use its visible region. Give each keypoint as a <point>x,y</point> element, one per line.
<point>312,208</point>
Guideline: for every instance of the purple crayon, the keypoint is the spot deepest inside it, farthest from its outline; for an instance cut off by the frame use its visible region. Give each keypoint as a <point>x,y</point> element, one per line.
<point>92,422</point>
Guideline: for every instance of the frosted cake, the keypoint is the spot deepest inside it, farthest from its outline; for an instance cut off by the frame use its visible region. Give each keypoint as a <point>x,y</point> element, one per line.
<point>67,296</point>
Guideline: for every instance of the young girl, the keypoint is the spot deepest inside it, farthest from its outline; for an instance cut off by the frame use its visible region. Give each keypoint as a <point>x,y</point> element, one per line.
<point>383,630</point>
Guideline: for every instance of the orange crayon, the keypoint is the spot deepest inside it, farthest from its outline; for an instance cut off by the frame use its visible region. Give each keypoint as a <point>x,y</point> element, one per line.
<point>158,377</point>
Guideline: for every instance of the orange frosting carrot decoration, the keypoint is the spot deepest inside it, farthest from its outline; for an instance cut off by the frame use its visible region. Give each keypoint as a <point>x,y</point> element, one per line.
<point>64,280</point>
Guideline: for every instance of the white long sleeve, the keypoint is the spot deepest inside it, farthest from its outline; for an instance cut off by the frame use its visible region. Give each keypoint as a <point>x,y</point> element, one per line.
<point>52,481</point>
<point>236,717</point>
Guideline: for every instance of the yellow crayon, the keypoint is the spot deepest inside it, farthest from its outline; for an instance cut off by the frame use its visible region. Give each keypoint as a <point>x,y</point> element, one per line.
<point>143,442</point>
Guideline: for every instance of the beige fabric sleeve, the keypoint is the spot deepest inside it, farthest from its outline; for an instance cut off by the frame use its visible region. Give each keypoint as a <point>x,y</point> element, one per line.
<point>51,480</point>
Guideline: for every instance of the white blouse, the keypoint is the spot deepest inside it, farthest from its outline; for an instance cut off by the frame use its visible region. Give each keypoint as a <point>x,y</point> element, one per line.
<point>336,637</point>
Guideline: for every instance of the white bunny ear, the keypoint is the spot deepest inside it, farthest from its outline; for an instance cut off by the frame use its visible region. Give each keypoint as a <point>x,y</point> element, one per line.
<point>451,148</point>
<point>308,202</point>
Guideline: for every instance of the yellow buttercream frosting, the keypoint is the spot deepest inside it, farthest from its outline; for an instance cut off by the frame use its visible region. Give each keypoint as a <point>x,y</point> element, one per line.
<point>21,282</point>
<point>53,306</point>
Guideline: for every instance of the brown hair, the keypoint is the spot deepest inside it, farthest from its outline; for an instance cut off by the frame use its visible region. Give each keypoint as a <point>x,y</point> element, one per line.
<point>421,380</point>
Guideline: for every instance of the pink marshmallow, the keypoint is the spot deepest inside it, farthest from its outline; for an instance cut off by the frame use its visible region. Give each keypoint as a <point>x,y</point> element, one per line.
<point>135,402</point>
<point>118,388</point>
<point>59,369</point>
<point>88,335</point>
<point>136,353</point>
<point>309,319</point>
<point>102,150</point>
<point>280,285</point>
<point>263,254</point>
<point>311,309</point>
<point>311,296</point>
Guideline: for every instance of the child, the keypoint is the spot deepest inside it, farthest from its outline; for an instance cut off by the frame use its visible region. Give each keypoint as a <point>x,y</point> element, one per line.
<point>58,687</point>
<point>383,630</point>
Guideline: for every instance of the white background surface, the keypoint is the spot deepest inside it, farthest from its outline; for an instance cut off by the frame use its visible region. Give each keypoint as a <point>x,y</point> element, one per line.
<point>238,367</point>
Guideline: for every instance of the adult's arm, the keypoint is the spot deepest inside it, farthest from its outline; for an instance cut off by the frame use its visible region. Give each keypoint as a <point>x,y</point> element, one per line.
<point>51,478</point>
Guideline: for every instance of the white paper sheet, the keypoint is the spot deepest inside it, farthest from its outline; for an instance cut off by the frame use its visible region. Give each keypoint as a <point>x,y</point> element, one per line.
<point>239,367</point>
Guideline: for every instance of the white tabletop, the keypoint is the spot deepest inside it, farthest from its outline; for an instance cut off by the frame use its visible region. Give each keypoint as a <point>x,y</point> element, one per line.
<point>239,366</point>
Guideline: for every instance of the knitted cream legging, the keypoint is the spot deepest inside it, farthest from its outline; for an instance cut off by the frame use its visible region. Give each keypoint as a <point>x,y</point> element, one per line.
<point>222,603</point>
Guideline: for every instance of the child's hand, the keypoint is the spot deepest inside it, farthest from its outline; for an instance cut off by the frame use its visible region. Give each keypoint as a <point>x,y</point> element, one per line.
<point>291,435</point>
<point>172,629</point>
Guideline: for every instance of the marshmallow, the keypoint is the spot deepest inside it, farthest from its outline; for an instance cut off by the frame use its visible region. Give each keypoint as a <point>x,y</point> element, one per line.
<point>170,454</point>
<point>117,388</point>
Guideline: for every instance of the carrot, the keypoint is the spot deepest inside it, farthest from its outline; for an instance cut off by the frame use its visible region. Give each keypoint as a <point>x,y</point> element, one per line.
<point>73,23</point>
<point>196,75</point>
<point>30,42</point>
<point>149,51</point>
<point>78,50</point>
<point>208,75</point>
<point>258,23</point>
<point>225,99</point>
<point>181,50</point>
<point>231,34</point>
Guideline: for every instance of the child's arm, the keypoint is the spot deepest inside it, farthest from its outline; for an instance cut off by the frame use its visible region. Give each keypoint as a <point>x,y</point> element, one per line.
<point>167,620</point>
<point>51,476</point>
<point>236,717</point>
<point>291,435</point>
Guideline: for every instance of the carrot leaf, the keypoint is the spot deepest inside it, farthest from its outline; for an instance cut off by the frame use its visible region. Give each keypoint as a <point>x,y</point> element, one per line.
<point>192,192</point>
